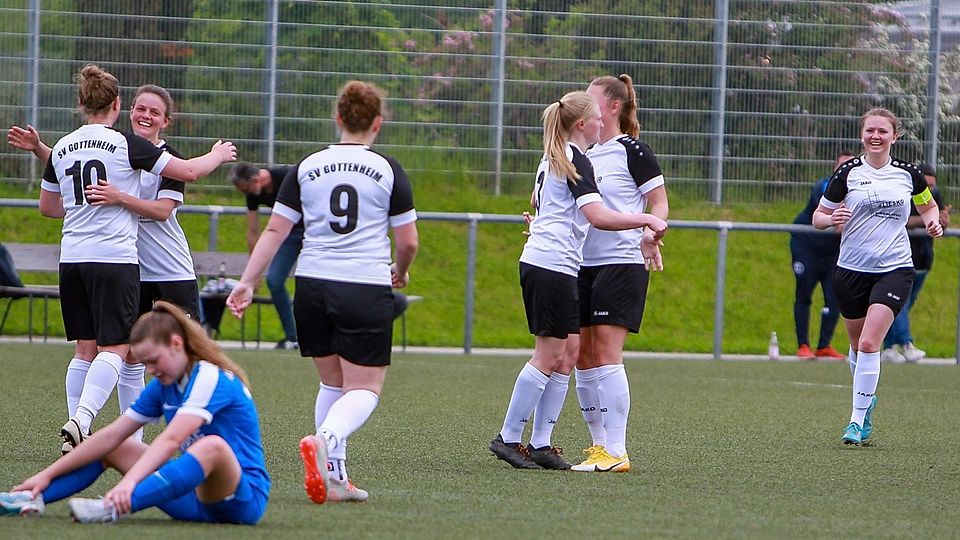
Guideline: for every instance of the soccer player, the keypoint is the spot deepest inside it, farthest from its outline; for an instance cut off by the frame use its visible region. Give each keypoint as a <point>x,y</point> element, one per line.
<point>99,274</point>
<point>203,396</point>
<point>567,200</point>
<point>613,277</point>
<point>347,195</point>
<point>166,267</point>
<point>870,197</point>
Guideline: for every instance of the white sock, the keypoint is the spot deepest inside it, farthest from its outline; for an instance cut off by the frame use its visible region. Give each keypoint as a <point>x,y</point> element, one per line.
<point>129,387</point>
<point>337,470</point>
<point>101,378</point>
<point>865,381</point>
<point>852,360</point>
<point>346,416</point>
<point>526,393</point>
<point>589,398</point>
<point>326,397</point>
<point>614,392</point>
<point>548,409</point>
<point>76,374</point>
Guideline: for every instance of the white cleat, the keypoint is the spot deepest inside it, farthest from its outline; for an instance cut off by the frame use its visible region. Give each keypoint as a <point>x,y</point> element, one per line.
<point>912,353</point>
<point>20,503</point>
<point>92,511</point>
<point>345,492</point>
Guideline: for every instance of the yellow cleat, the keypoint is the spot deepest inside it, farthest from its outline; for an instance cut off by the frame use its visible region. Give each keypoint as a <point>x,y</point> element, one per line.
<point>599,460</point>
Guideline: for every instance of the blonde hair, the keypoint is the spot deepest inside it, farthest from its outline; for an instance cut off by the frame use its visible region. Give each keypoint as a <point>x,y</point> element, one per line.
<point>166,320</point>
<point>358,105</point>
<point>96,89</point>
<point>558,120</point>
<point>621,89</point>
<point>883,113</point>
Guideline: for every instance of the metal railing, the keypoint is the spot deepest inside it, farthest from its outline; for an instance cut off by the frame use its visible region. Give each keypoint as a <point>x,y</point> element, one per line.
<point>473,221</point>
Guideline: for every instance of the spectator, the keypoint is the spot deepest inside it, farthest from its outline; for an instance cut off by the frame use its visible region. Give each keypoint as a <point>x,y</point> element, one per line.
<point>8,273</point>
<point>814,260</point>
<point>898,345</point>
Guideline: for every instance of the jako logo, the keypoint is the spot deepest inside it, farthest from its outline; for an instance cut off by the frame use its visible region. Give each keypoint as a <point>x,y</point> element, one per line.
<point>864,394</point>
<point>601,313</point>
<point>588,409</point>
<point>895,297</point>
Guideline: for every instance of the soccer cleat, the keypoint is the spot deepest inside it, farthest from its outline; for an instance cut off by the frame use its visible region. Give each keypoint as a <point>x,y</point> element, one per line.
<point>804,352</point>
<point>345,492</point>
<point>867,429</point>
<point>548,457</point>
<point>892,355</point>
<point>912,354</point>
<point>853,434</point>
<point>830,353</point>
<point>20,503</point>
<point>514,454</point>
<point>72,435</point>
<point>313,450</point>
<point>600,460</point>
<point>92,511</point>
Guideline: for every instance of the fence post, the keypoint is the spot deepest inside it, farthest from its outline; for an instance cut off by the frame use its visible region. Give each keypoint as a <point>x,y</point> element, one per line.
<point>214,226</point>
<point>933,86</point>
<point>471,278</point>
<point>272,37</point>
<point>499,51</point>
<point>721,286</point>
<point>722,14</point>
<point>33,80</point>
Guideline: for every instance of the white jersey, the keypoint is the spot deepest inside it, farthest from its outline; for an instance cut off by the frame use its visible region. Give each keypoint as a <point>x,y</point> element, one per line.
<point>875,239</point>
<point>347,196</point>
<point>559,227</point>
<point>626,170</point>
<point>161,245</point>
<point>96,152</point>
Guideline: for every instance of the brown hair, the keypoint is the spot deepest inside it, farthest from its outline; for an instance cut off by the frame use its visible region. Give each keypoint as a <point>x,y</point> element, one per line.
<point>884,113</point>
<point>161,93</point>
<point>96,89</point>
<point>166,320</point>
<point>558,120</point>
<point>621,89</point>
<point>358,105</point>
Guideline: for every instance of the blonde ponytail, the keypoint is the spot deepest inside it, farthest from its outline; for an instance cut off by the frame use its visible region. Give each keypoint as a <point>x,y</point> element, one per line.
<point>558,120</point>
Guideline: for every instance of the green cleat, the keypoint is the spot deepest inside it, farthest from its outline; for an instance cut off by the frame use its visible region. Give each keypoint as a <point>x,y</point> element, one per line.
<point>868,420</point>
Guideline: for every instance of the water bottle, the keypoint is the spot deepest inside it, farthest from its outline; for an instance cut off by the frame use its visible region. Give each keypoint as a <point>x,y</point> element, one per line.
<point>774,350</point>
<point>222,277</point>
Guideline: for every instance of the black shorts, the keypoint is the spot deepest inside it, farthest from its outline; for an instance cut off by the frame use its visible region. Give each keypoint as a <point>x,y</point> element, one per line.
<point>613,294</point>
<point>550,300</point>
<point>99,301</point>
<point>856,291</point>
<point>352,320</point>
<point>181,293</point>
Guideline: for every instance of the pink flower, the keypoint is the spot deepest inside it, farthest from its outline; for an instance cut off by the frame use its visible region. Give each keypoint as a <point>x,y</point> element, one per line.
<point>486,21</point>
<point>410,44</point>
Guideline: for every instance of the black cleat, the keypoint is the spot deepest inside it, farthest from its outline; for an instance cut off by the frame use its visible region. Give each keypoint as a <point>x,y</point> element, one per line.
<point>548,457</point>
<point>514,454</point>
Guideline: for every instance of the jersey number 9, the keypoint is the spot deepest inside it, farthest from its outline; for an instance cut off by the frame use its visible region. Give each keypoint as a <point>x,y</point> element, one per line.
<point>344,208</point>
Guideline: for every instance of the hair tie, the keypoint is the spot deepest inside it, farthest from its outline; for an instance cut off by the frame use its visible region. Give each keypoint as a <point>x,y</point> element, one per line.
<point>559,104</point>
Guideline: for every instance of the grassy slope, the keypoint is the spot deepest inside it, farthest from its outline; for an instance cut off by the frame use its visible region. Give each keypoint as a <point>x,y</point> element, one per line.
<point>755,455</point>
<point>679,315</point>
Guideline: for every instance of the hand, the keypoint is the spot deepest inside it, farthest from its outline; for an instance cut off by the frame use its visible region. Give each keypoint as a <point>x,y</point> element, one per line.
<point>121,495</point>
<point>35,484</point>
<point>102,194</point>
<point>226,151</point>
<point>24,139</point>
<point>840,216</point>
<point>945,216</point>
<point>657,226</point>
<point>396,280</point>
<point>650,247</point>
<point>240,299</point>
<point>934,229</point>
<point>527,220</point>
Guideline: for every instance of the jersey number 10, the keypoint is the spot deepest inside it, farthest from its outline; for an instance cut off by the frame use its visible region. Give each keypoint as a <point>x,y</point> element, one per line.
<point>83,177</point>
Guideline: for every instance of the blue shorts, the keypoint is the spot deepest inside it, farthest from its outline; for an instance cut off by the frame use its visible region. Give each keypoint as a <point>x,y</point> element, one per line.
<point>245,507</point>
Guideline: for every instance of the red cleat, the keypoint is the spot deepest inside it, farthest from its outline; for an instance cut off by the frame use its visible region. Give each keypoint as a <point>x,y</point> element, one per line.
<point>804,353</point>
<point>831,353</point>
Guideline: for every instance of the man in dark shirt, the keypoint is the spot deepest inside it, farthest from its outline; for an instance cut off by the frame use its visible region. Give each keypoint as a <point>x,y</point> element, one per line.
<point>261,186</point>
<point>898,344</point>
<point>814,261</point>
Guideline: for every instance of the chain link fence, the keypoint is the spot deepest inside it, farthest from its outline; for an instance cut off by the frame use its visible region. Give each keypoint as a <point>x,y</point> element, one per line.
<point>743,100</point>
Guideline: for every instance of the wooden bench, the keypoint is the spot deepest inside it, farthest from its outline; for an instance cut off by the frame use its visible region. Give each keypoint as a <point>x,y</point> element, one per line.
<point>46,258</point>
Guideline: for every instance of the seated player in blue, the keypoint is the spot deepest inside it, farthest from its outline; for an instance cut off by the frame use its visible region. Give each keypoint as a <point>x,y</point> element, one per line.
<point>220,476</point>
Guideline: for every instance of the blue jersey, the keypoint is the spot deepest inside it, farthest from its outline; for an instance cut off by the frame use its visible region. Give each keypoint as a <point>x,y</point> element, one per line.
<point>224,403</point>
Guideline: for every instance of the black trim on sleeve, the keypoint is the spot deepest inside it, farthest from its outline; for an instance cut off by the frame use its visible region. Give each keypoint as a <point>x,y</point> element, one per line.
<point>401,198</point>
<point>641,161</point>
<point>142,153</point>
<point>588,182</point>
<point>837,187</point>
<point>170,183</point>
<point>919,182</point>
<point>49,172</point>
<point>289,194</point>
